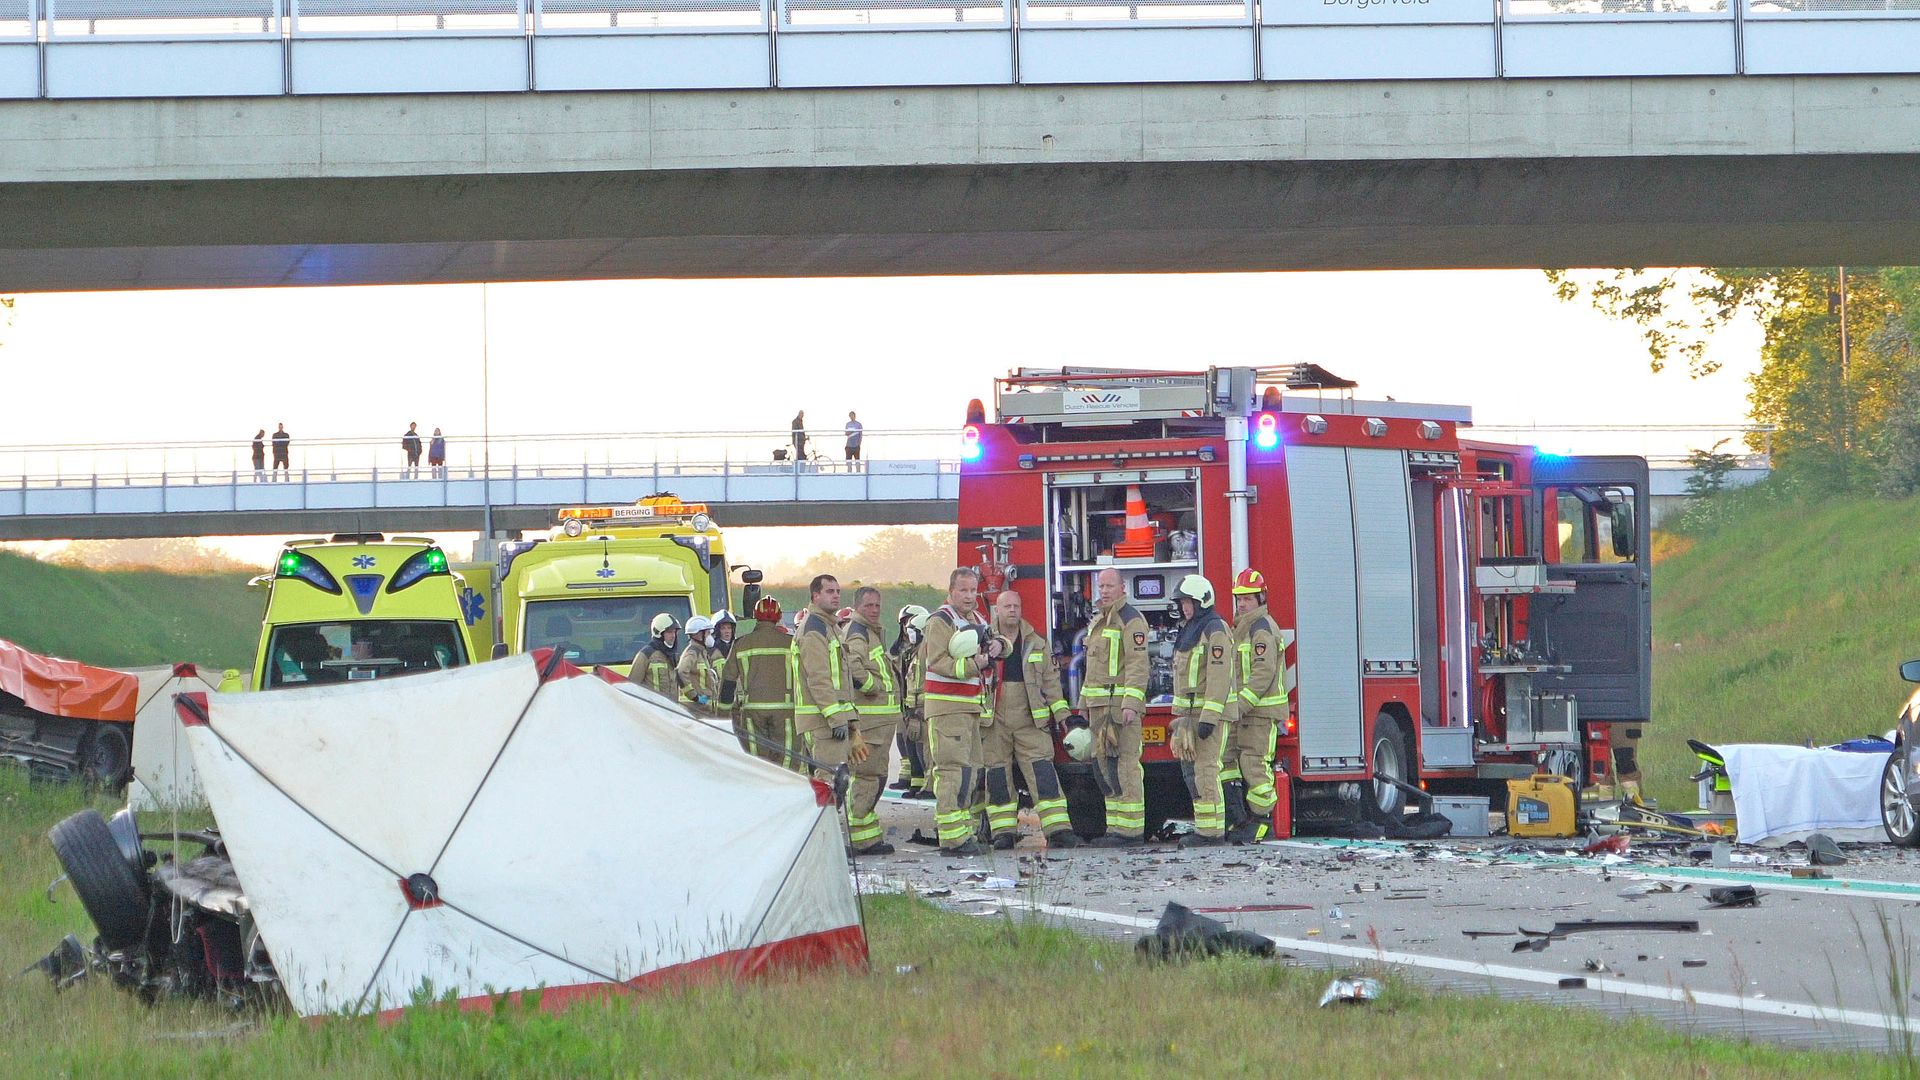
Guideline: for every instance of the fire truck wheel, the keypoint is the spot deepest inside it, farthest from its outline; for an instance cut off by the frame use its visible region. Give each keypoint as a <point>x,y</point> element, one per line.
<point>113,893</point>
<point>105,756</point>
<point>1389,758</point>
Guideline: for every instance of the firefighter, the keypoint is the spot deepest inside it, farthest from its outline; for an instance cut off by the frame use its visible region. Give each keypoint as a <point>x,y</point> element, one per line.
<point>823,710</point>
<point>1027,707</point>
<point>876,699</point>
<point>908,675</point>
<point>696,667</point>
<point>757,682</point>
<point>1113,698</point>
<point>1203,662</point>
<point>725,629</point>
<point>653,666</point>
<point>1246,776</point>
<point>959,652</point>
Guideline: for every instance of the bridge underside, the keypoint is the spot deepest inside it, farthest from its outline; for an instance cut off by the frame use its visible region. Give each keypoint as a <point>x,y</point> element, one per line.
<point>906,220</point>
<point>529,519</point>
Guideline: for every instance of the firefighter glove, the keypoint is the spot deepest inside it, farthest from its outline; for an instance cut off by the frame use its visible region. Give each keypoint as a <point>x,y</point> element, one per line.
<point>1206,731</point>
<point>1075,720</point>
<point>1180,739</point>
<point>859,752</point>
<point>839,731</point>
<point>1131,716</point>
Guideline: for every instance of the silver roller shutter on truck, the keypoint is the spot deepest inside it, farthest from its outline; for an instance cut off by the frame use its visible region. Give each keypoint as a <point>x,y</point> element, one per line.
<point>1353,590</point>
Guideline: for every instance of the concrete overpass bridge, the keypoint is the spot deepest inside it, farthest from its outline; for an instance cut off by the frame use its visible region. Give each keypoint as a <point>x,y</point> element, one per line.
<point>157,143</point>
<point>341,485</point>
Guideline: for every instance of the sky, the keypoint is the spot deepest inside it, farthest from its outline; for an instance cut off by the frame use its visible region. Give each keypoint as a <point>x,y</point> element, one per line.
<point>688,356</point>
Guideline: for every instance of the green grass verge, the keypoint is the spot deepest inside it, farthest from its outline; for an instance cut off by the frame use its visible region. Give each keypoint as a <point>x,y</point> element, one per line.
<point>1785,623</point>
<point>986,997</point>
<point>129,618</point>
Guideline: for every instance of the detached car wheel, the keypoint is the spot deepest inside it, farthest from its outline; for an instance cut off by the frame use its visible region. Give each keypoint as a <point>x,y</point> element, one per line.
<point>112,891</point>
<point>1897,814</point>
<point>107,758</point>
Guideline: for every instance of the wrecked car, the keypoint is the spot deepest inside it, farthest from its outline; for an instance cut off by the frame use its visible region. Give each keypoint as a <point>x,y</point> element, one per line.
<point>1900,782</point>
<point>171,921</point>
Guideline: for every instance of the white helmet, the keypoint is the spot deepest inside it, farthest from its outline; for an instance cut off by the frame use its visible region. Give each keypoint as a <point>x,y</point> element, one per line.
<point>913,614</point>
<point>664,622</point>
<point>1079,743</point>
<point>723,616</point>
<point>1194,587</point>
<point>965,642</point>
<point>699,624</point>
<point>919,622</point>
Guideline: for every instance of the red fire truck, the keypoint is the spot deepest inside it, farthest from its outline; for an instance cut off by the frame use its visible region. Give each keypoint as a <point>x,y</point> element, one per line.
<point>1459,612</point>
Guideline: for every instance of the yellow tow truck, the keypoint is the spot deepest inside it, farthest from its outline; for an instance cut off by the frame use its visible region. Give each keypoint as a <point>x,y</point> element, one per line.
<point>594,585</point>
<point>357,607</point>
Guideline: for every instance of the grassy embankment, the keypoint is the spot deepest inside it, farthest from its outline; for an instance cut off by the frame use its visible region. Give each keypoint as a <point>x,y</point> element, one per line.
<point>128,617</point>
<point>986,997</point>
<point>1787,623</point>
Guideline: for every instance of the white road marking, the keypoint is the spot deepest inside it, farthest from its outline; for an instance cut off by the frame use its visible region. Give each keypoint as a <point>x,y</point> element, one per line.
<point>1842,887</point>
<point>1673,994</point>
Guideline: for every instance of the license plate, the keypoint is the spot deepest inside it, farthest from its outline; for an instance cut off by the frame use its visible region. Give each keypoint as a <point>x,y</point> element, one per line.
<point>1153,734</point>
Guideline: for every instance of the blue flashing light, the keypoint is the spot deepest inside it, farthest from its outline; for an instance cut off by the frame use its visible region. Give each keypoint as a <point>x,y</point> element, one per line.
<point>970,449</point>
<point>1266,431</point>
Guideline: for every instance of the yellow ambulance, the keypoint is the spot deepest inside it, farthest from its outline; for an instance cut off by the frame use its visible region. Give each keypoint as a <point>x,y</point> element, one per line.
<point>359,607</point>
<point>593,586</point>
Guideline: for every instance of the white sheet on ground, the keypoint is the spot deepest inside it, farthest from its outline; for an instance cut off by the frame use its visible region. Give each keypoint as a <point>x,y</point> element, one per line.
<point>1786,793</point>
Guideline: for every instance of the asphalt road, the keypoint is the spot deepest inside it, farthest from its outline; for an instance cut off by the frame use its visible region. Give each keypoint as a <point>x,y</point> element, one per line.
<point>1808,966</point>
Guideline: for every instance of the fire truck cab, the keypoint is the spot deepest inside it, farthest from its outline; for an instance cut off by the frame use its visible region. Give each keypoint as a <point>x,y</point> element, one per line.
<point>1458,612</point>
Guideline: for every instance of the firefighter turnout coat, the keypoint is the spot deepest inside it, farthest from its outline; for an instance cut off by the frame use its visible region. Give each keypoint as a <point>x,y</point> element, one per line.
<point>823,697</point>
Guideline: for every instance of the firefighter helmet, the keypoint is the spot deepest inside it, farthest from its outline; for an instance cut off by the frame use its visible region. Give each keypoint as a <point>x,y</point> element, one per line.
<point>1248,582</point>
<point>912,612</point>
<point>699,624</point>
<point>722,617</point>
<point>843,615</point>
<point>663,622</point>
<point>1079,743</point>
<point>919,622</point>
<point>964,643</point>
<point>767,609</point>
<point>1197,588</point>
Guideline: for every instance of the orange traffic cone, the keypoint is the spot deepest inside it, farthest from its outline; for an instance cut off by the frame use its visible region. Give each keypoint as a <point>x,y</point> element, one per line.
<point>1141,533</point>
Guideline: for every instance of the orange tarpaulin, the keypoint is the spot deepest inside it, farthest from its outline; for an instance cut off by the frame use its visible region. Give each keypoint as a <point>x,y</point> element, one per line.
<point>67,687</point>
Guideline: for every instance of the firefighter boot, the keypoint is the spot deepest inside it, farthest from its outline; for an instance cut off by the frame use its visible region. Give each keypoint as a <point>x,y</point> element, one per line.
<point>1250,831</point>
<point>1234,794</point>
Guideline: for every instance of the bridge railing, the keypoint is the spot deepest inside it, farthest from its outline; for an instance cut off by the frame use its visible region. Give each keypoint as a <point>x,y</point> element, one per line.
<point>163,48</point>
<point>111,465</point>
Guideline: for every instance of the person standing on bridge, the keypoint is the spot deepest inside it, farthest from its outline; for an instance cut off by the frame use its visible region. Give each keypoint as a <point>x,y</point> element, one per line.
<point>854,431</point>
<point>281,441</point>
<point>800,436</point>
<point>437,455</point>
<point>410,442</point>
<point>260,455</point>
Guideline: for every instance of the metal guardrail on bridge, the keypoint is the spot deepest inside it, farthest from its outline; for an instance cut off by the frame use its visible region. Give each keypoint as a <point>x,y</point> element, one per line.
<point>185,48</point>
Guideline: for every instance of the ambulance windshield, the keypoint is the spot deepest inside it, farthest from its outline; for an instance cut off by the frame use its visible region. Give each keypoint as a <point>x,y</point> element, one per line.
<point>305,654</point>
<point>590,631</point>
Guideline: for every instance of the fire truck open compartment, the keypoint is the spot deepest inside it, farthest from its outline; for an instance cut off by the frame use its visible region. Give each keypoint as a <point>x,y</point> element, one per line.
<point>1455,613</point>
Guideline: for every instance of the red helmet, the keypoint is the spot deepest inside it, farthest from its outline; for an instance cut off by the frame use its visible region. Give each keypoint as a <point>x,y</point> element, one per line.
<point>766,610</point>
<point>1249,581</point>
<point>843,614</point>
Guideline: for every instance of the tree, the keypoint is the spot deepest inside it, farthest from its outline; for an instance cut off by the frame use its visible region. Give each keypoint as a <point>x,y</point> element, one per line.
<point>1710,468</point>
<point>1827,388</point>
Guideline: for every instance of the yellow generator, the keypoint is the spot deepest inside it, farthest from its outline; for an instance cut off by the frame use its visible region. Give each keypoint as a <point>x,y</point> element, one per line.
<point>1543,805</point>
